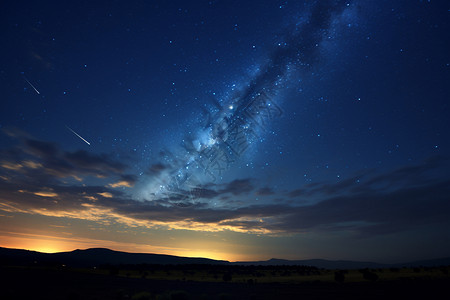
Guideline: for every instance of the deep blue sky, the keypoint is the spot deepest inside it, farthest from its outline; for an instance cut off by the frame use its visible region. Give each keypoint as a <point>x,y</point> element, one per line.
<point>351,163</point>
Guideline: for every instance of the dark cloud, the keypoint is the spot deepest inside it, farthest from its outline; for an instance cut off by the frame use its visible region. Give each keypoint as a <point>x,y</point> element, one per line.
<point>265,191</point>
<point>356,206</point>
<point>306,190</point>
<point>211,190</point>
<point>238,187</point>
<point>156,169</point>
<point>199,192</point>
<point>88,161</point>
<point>43,162</point>
<point>125,180</point>
<point>129,178</point>
<point>41,148</point>
<point>52,198</point>
<point>377,212</point>
<point>296,193</point>
<point>368,204</point>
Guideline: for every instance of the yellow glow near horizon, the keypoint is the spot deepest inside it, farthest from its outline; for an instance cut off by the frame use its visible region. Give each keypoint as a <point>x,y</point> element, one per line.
<point>45,249</point>
<point>53,244</point>
<point>204,254</point>
<point>40,245</point>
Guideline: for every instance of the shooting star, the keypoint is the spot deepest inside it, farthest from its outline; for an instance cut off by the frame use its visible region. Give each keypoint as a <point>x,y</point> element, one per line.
<point>78,135</point>
<point>31,85</point>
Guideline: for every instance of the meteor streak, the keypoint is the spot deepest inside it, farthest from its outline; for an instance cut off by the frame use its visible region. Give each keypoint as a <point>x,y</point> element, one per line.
<point>78,135</point>
<point>31,85</point>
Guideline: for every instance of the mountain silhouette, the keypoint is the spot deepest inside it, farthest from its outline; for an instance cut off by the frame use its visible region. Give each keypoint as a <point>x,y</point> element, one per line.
<point>319,263</point>
<point>102,256</point>
<point>95,257</point>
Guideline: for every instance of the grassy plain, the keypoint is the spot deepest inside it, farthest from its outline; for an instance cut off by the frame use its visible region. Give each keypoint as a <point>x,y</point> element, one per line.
<point>273,274</point>
<point>159,282</point>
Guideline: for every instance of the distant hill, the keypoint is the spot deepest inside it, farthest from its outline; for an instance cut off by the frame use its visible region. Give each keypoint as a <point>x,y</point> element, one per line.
<point>427,263</point>
<point>347,264</point>
<point>102,256</point>
<point>319,263</point>
<point>95,257</point>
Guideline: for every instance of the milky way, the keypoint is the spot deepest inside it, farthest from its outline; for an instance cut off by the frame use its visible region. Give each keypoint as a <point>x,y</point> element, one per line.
<point>233,125</point>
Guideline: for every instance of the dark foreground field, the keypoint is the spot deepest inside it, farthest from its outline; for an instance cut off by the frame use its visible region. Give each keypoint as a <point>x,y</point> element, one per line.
<point>63,283</point>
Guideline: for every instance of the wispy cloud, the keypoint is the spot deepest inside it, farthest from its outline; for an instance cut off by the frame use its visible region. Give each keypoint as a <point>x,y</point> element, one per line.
<point>34,180</point>
<point>36,160</point>
<point>125,181</point>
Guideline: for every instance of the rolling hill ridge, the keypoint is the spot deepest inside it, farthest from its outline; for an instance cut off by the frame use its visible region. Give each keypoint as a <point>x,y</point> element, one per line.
<point>102,256</point>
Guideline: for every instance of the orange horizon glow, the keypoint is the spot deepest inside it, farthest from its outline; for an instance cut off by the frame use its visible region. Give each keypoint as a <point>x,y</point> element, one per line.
<point>51,244</point>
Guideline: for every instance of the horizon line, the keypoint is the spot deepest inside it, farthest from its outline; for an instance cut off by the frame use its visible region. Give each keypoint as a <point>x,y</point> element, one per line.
<point>229,261</point>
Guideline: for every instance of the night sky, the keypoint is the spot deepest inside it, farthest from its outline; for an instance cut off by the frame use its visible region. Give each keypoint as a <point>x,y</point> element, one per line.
<point>236,130</point>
